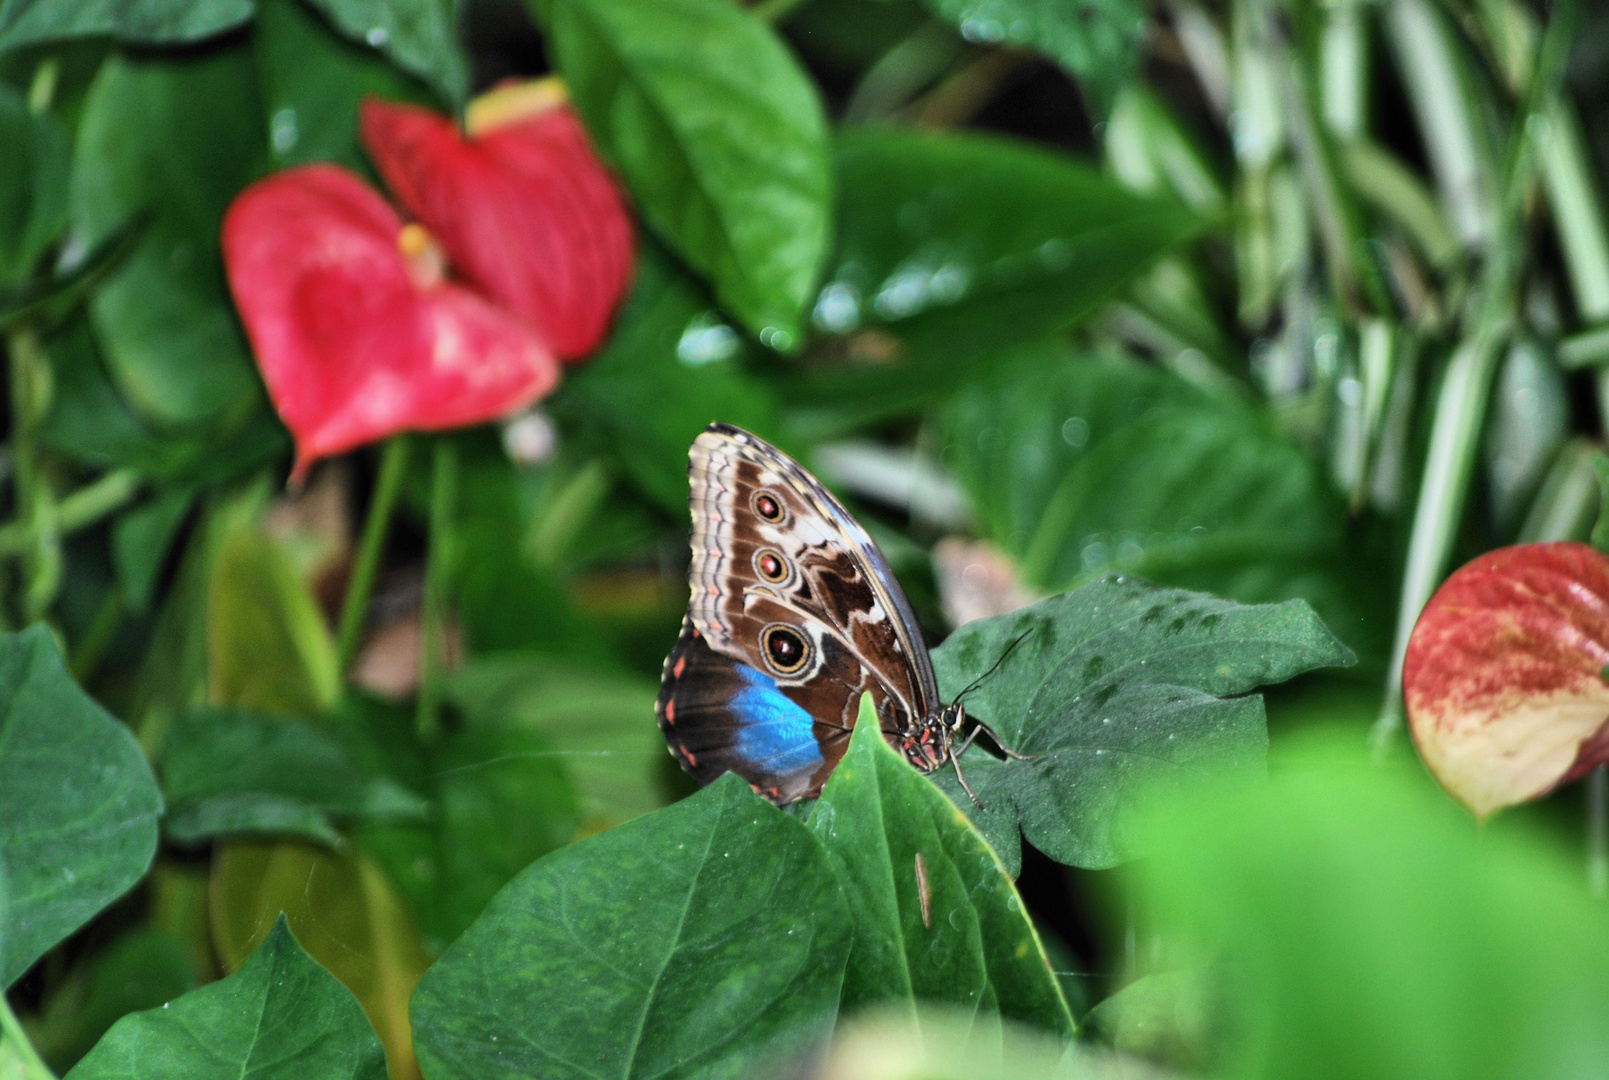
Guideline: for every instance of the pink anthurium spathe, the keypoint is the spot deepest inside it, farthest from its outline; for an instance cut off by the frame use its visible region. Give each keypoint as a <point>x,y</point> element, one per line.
<point>356,331</point>
<point>1504,677</point>
<point>523,207</point>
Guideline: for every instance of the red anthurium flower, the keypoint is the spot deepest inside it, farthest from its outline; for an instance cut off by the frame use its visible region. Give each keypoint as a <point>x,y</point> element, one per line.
<point>356,332</point>
<point>1504,677</point>
<point>522,206</point>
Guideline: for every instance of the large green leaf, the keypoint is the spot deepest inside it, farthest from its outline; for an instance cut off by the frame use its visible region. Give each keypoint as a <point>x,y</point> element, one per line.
<point>1115,689</point>
<point>952,247</point>
<point>1080,463</point>
<point>178,136</point>
<point>707,939</point>
<point>419,36</point>
<point>1364,926</point>
<point>344,911</point>
<point>936,915</point>
<point>78,803</point>
<point>1096,40</point>
<point>33,186</point>
<point>720,137</point>
<point>23,22</point>
<point>312,81</point>
<point>228,772</point>
<point>671,366</point>
<point>280,1017</point>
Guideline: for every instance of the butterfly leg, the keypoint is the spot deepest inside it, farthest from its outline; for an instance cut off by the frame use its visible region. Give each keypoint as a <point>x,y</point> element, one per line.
<point>978,726</point>
<point>963,781</point>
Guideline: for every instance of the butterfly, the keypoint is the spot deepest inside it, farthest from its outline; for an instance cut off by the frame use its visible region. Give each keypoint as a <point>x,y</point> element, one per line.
<point>794,614</point>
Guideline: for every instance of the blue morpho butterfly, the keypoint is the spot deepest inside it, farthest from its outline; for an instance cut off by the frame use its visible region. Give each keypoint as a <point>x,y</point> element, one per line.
<point>794,614</point>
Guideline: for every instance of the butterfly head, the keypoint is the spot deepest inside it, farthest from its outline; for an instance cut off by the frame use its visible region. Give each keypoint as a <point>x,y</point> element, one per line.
<point>931,742</point>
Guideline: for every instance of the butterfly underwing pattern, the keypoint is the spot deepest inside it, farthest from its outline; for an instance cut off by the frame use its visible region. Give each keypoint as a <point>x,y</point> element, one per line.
<point>794,614</point>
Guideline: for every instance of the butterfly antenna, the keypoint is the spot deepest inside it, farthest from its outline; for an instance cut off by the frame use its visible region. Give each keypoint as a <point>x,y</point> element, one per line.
<point>974,684</point>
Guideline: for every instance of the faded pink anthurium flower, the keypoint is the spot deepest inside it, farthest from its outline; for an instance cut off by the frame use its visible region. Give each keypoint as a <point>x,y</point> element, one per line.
<point>356,331</point>
<point>1504,677</point>
<point>521,204</point>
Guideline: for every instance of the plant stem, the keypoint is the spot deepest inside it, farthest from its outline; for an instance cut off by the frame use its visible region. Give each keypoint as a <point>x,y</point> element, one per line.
<point>92,646</point>
<point>81,509</point>
<point>14,1039</point>
<point>354,608</point>
<point>35,503</point>
<point>443,495</point>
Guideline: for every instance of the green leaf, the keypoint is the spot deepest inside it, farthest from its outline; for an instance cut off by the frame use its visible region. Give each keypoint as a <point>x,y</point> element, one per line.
<point>268,647</point>
<point>78,804</point>
<point>1167,1016</point>
<point>280,1017</point>
<point>720,137</point>
<point>140,542</point>
<point>52,298</point>
<point>419,36</point>
<point>33,186</point>
<point>1116,689</point>
<point>1364,926</point>
<point>591,717</point>
<point>180,137</point>
<point>1081,464</point>
<point>953,247</point>
<point>146,22</point>
<point>952,1044</point>
<point>936,915</point>
<point>1098,41</point>
<point>671,366</point>
<point>227,772</point>
<point>343,910</point>
<point>312,82</point>
<point>707,939</point>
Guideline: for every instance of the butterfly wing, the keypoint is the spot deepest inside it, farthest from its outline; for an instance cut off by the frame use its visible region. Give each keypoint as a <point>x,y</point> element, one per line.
<point>792,593</point>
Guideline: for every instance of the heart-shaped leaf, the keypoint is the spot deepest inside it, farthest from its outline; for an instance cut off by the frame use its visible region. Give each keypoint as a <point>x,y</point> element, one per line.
<point>720,136</point>
<point>936,915</point>
<point>351,346</point>
<point>419,36</point>
<point>1112,688</point>
<point>706,939</point>
<point>23,22</point>
<point>1504,678</point>
<point>78,803</point>
<point>280,1017</point>
<point>524,209</point>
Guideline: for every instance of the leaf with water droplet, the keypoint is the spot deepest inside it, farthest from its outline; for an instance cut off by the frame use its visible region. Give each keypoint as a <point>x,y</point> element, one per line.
<point>1184,715</point>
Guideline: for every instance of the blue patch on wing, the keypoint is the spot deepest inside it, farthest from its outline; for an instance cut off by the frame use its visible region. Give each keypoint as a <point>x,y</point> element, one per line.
<point>773,732</point>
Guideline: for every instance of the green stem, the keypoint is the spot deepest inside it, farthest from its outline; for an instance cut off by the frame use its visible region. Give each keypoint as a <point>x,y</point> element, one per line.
<point>1598,832</point>
<point>16,1039</point>
<point>37,517</point>
<point>92,646</point>
<point>81,509</point>
<point>354,608</point>
<point>443,496</point>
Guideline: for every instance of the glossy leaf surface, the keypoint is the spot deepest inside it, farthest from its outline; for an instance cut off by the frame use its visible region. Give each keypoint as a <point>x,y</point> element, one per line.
<point>1504,674</point>
<point>280,1017</point>
<point>954,246</point>
<point>524,210</point>
<point>419,36</point>
<point>728,957</point>
<point>23,22</point>
<point>720,138</point>
<point>78,803</point>
<point>1116,688</point>
<point>937,917</point>
<point>351,346</point>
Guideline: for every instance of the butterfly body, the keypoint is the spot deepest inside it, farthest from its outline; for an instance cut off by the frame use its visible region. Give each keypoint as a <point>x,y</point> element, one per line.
<point>793,615</point>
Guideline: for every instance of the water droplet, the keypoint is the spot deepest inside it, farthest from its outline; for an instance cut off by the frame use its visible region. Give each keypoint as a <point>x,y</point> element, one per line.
<point>707,340</point>
<point>837,309</point>
<point>1075,432</point>
<point>283,131</point>
<point>377,36</point>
